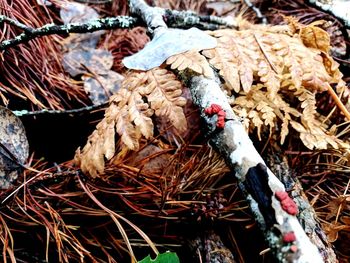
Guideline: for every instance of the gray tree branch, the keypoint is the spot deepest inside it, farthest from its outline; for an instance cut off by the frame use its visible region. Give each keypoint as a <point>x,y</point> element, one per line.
<point>51,29</point>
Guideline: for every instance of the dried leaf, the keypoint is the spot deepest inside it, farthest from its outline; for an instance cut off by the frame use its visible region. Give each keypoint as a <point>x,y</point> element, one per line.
<point>235,61</point>
<point>315,37</point>
<point>14,148</point>
<point>282,68</point>
<point>101,87</point>
<point>165,97</point>
<point>78,13</point>
<point>80,61</point>
<point>129,135</point>
<point>140,113</point>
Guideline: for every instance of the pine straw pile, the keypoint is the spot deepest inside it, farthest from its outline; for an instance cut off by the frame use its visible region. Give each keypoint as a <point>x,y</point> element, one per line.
<point>148,180</point>
<point>164,189</point>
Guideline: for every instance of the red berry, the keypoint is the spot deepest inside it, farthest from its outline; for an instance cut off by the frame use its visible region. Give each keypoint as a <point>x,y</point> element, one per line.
<point>220,123</point>
<point>289,237</point>
<point>208,111</point>
<point>281,195</point>
<point>222,113</point>
<point>216,108</point>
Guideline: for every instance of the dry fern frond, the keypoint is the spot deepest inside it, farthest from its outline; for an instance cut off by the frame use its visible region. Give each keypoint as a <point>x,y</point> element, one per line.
<point>192,60</point>
<point>235,62</point>
<point>282,66</point>
<point>163,92</point>
<point>143,94</point>
<point>286,75</point>
<point>278,114</point>
<point>261,111</point>
<point>253,55</point>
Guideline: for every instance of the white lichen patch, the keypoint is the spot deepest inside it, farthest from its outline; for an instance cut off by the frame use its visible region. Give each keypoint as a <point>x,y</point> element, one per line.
<point>163,46</point>
<point>124,21</point>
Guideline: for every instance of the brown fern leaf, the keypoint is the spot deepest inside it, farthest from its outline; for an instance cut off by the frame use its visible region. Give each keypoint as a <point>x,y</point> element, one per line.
<point>164,95</point>
<point>282,65</point>
<point>129,116</point>
<point>192,60</point>
<point>129,133</point>
<point>311,35</point>
<point>264,112</point>
<point>242,56</point>
<point>235,62</point>
<point>316,137</point>
<point>140,113</point>
<point>308,105</point>
<point>310,62</point>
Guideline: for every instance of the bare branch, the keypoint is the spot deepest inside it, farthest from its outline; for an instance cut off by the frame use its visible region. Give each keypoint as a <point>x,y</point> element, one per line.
<point>5,19</point>
<point>50,29</point>
<point>257,11</point>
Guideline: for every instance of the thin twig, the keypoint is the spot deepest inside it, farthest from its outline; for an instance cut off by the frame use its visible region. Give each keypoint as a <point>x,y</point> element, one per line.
<point>5,19</point>
<point>257,11</point>
<point>50,29</point>
<point>21,113</point>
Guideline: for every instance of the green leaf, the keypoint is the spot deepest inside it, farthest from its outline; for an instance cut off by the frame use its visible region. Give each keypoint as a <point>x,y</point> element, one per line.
<point>167,257</point>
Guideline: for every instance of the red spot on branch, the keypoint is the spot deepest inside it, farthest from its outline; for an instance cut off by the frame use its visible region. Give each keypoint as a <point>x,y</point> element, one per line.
<point>293,248</point>
<point>281,195</point>
<point>287,203</point>
<point>216,108</point>
<point>289,237</point>
<point>221,114</point>
<point>220,122</point>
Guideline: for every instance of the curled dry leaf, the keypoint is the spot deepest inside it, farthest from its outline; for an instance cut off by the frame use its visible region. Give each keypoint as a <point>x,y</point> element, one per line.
<point>315,37</point>
<point>14,148</point>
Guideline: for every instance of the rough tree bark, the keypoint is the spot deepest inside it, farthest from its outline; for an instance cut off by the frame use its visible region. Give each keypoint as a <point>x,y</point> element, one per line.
<point>264,191</point>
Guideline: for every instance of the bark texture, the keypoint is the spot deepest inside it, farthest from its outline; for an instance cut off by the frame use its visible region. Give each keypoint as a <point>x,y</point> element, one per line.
<point>210,248</point>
